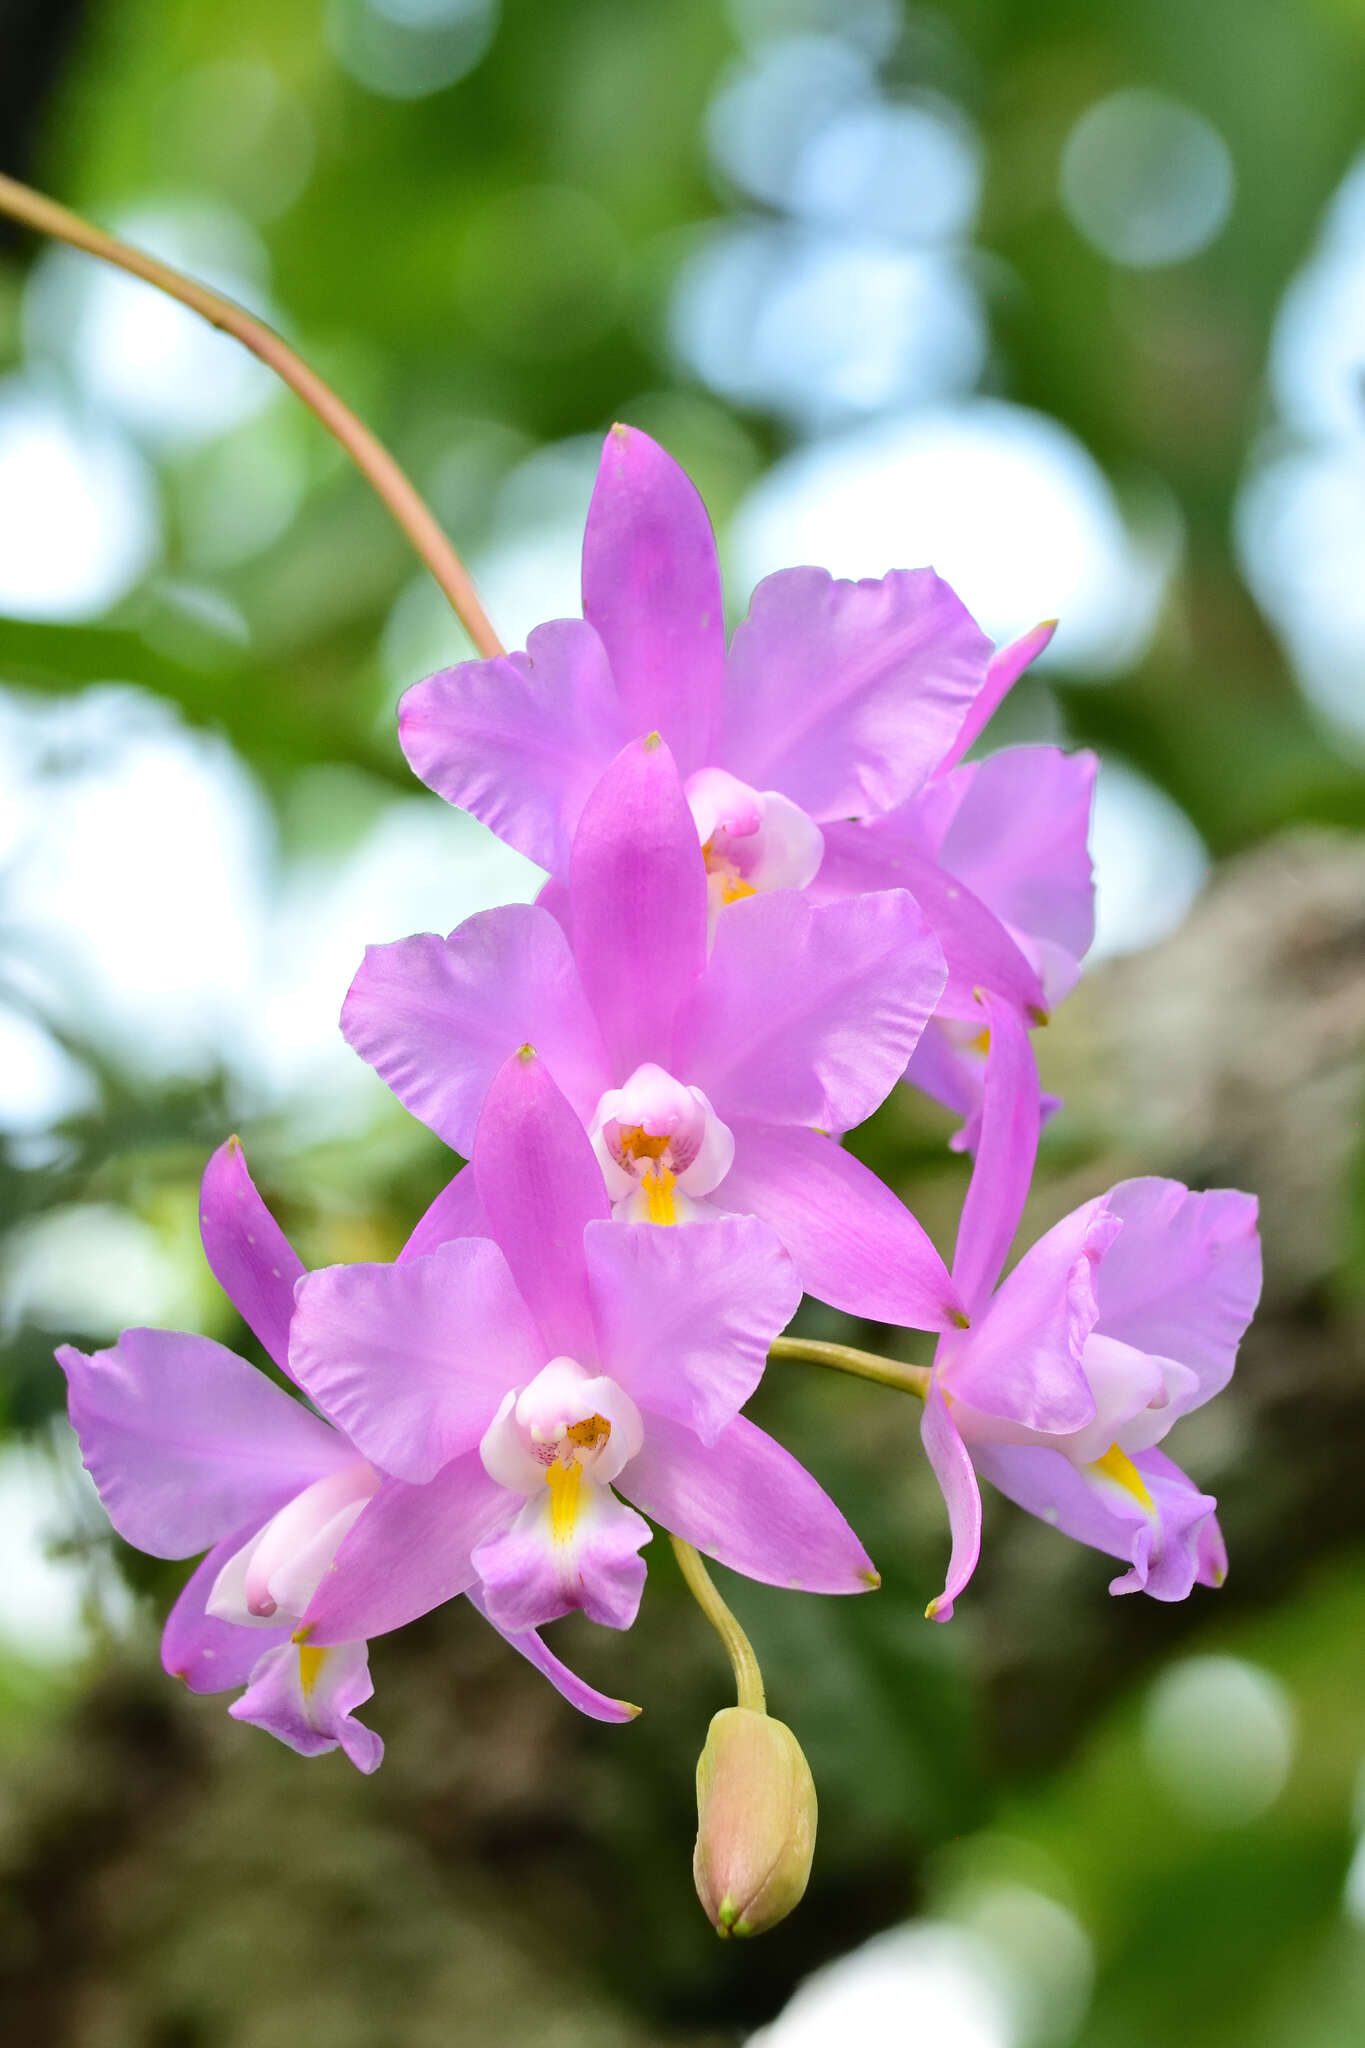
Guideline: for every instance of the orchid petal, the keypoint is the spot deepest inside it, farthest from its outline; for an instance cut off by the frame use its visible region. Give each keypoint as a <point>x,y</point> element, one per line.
<point>651,587</point>
<point>1184,1278</point>
<point>747,1502</point>
<point>307,1698</point>
<point>855,1244</point>
<point>1169,1540</point>
<point>1021,1362</point>
<point>637,885</point>
<point>208,1654</point>
<point>412,1360</point>
<point>685,1317</point>
<point>185,1441</point>
<point>952,1467</point>
<point>436,1018</point>
<point>1006,666</point>
<point>409,1552</point>
<point>596,1705</point>
<point>979,953</point>
<point>249,1255</point>
<point>1006,1150</point>
<point>456,1212</point>
<point>1018,839</point>
<point>845,696</point>
<point>520,741</point>
<point>808,1013</point>
<point>532,1571</point>
<point>540,1186</point>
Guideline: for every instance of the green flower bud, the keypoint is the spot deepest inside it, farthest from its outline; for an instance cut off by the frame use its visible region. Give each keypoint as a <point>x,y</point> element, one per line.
<point>755,1822</point>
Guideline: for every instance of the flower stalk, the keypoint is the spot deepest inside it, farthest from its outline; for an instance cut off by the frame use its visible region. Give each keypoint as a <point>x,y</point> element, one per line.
<point>409,510</point>
<point>748,1678</point>
<point>864,1365</point>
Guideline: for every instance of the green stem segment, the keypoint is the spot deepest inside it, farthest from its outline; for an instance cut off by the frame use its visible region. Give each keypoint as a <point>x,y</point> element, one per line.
<point>748,1677</point>
<point>369,455</point>
<point>864,1365</point>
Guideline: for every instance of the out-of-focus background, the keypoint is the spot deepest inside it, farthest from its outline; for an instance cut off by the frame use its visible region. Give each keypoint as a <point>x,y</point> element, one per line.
<point>1068,300</point>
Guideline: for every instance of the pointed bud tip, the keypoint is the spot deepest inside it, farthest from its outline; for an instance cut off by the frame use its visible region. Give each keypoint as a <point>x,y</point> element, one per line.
<point>959,1319</point>
<point>871,1578</point>
<point>651,742</point>
<point>526,1053</point>
<point>1038,1016</point>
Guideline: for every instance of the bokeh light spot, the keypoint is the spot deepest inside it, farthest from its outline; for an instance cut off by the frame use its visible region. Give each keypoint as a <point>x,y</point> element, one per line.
<point>1219,1739</point>
<point>78,516</point>
<point>1146,179</point>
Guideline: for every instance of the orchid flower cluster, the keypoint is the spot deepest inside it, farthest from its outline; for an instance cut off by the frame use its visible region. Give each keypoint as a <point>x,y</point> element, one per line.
<point>776,890</point>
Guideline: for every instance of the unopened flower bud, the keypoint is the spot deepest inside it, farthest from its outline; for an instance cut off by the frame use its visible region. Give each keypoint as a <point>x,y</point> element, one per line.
<point>755,1822</point>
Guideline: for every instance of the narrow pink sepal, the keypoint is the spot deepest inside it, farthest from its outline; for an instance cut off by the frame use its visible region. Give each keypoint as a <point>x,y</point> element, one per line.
<point>249,1255</point>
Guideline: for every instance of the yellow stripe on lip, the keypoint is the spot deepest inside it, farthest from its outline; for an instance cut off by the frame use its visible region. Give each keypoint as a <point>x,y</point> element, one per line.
<point>564,1482</point>
<point>658,1184</point>
<point>311,1662</point>
<point>1118,1467</point>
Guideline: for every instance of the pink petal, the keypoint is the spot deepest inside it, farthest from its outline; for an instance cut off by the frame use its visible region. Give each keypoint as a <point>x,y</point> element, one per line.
<point>1167,1549</point>
<point>596,1705</point>
<point>637,889</point>
<point>208,1654</point>
<point>309,1702</point>
<point>249,1255</point>
<point>456,1212</point>
<point>412,1360</point>
<point>845,696</point>
<point>1184,1277</point>
<point>978,951</point>
<point>1006,1149</point>
<point>1021,1361</point>
<point>185,1441</point>
<point>436,1018</point>
<point>519,742</point>
<point>685,1316</point>
<point>952,1467</point>
<point>651,587</point>
<point>408,1552</point>
<point>808,1013</point>
<point>748,1503</point>
<point>855,1245</point>
<point>1019,838</point>
<point>530,1575</point>
<point>1007,664</point>
<point>541,1186</point>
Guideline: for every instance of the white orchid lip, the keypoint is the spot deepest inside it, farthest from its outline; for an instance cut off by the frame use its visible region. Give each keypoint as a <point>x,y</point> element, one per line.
<point>751,839</point>
<point>567,1428</point>
<point>270,1581</point>
<point>660,1145</point>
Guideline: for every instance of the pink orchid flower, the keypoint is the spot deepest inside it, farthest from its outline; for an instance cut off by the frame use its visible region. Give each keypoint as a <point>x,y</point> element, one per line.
<point>710,1081</point>
<point>193,1449</point>
<point>835,702</point>
<point>1123,1318</point>
<point>520,1389</point>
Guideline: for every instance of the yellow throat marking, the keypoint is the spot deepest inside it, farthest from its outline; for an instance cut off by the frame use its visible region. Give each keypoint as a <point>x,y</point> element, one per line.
<point>565,1477</point>
<point>564,1482</point>
<point>658,1184</point>
<point>1117,1466</point>
<point>311,1662</point>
